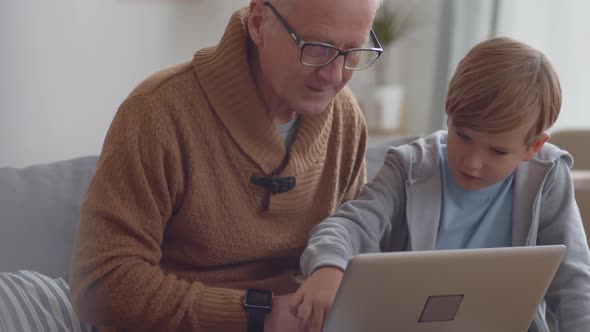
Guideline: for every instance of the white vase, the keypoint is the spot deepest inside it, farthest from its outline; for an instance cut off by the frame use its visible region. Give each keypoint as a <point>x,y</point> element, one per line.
<point>386,113</point>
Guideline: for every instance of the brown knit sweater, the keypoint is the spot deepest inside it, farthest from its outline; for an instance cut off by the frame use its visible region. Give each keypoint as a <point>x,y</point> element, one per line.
<point>172,231</point>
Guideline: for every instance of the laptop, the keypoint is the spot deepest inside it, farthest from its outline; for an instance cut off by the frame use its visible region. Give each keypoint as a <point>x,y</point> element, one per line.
<point>492,289</point>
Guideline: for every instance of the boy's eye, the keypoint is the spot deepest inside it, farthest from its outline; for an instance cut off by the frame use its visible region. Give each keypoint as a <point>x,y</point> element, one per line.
<point>499,152</point>
<point>463,136</point>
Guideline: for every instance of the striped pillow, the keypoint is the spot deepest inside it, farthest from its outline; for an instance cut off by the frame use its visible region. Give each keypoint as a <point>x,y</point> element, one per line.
<point>30,301</point>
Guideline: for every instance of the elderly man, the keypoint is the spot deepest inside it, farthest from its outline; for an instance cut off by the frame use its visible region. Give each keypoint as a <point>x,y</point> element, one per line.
<point>213,173</point>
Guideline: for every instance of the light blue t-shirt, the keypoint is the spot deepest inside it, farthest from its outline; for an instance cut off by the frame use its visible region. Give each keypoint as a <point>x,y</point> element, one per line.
<point>474,219</point>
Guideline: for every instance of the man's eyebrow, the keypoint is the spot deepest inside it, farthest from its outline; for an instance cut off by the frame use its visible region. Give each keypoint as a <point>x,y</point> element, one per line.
<point>319,37</point>
<point>365,40</point>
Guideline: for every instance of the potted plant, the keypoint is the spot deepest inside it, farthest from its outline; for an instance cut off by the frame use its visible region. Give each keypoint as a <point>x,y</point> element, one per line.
<point>390,25</point>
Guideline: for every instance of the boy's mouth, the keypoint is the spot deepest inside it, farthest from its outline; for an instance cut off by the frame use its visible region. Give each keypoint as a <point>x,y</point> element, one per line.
<point>469,176</point>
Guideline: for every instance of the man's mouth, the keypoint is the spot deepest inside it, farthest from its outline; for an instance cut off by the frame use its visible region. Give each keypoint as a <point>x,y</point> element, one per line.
<point>315,90</point>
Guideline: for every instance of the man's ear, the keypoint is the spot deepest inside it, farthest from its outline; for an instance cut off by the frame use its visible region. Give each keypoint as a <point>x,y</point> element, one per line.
<point>534,147</point>
<point>255,21</point>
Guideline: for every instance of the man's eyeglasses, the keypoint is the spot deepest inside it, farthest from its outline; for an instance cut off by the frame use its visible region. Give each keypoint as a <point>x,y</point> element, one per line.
<point>322,54</point>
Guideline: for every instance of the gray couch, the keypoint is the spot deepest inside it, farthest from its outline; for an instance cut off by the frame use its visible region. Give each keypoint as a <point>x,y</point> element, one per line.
<point>39,207</point>
<point>39,212</point>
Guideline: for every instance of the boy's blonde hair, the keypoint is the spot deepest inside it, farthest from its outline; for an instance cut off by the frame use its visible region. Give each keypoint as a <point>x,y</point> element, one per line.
<point>502,86</point>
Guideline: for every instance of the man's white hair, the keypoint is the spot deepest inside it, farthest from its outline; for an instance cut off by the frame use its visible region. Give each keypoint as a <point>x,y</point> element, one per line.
<point>377,4</point>
<point>285,5</point>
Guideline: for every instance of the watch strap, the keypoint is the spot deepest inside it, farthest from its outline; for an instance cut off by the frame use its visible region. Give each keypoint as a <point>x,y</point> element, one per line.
<point>256,319</point>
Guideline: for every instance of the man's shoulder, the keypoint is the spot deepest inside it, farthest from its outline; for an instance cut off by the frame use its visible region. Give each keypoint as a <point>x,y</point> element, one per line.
<point>175,76</point>
<point>160,98</point>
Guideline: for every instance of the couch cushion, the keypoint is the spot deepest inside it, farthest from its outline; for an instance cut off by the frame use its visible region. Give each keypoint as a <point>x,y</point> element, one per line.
<point>30,301</point>
<point>39,212</point>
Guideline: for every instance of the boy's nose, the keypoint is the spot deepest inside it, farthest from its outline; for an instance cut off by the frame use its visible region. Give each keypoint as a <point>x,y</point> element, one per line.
<point>472,162</point>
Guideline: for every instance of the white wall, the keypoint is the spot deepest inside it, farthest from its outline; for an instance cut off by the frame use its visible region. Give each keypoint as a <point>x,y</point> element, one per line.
<point>558,28</point>
<point>411,62</point>
<point>561,30</point>
<point>66,65</point>
<point>471,25</point>
<point>465,23</point>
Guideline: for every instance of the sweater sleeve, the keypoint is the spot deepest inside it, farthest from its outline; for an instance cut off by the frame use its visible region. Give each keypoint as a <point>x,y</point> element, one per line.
<point>116,278</point>
<point>359,226</point>
<point>569,293</point>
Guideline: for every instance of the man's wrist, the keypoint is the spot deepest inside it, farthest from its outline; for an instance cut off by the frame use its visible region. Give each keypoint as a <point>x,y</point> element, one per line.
<point>257,304</point>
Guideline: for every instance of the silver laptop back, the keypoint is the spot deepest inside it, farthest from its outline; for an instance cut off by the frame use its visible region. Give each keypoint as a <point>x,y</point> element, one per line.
<point>496,289</point>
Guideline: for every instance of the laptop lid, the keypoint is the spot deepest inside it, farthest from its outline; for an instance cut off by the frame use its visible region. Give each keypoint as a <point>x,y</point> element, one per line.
<point>493,289</point>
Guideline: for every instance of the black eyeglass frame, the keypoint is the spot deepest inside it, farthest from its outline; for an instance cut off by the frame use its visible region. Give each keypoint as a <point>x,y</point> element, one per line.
<point>302,44</point>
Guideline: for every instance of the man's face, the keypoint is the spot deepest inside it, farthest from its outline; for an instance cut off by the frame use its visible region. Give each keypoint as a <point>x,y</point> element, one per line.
<point>478,159</point>
<point>303,89</point>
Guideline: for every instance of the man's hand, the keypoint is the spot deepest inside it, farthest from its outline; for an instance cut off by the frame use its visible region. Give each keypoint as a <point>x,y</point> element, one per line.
<point>314,298</point>
<point>281,318</point>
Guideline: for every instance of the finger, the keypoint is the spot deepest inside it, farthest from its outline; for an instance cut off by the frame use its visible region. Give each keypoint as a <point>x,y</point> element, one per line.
<point>325,317</point>
<point>303,312</point>
<point>294,302</point>
<point>317,318</point>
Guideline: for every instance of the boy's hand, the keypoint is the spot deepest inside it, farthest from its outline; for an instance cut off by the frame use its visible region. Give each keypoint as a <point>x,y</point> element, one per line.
<point>314,298</point>
<point>281,318</point>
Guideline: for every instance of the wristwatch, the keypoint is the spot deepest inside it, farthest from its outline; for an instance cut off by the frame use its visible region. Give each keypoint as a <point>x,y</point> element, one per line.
<point>257,303</point>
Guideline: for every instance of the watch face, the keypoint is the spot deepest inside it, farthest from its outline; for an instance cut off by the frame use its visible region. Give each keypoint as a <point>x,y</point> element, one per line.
<point>259,298</point>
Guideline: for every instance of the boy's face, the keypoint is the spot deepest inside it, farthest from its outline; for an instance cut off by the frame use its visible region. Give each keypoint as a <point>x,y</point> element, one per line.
<point>477,159</point>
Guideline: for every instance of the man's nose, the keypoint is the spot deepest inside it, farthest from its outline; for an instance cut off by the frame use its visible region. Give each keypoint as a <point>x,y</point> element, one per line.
<point>332,72</point>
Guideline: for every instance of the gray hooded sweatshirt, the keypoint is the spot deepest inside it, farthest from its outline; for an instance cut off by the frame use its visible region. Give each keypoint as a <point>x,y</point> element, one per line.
<point>390,215</point>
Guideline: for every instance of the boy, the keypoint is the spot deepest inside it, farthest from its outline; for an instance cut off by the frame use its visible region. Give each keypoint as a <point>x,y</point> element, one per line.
<point>488,181</point>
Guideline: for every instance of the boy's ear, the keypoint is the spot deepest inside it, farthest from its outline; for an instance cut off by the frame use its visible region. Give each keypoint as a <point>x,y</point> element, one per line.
<point>255,22</point>
<point>534,147</point>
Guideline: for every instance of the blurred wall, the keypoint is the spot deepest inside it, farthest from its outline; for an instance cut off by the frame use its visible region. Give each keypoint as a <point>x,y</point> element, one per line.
<point>560,29</point>
<point>464,23</point>
<point>412,62</point>
<point>67,65</point>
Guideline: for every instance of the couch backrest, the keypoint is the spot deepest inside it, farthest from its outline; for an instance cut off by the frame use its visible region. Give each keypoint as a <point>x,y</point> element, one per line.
<point>576,142</point>
<point>39,212</point>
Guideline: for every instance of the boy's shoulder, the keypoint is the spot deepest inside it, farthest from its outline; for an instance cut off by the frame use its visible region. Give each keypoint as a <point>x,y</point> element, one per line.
<point>550,153</point>
<point>420,157</point>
